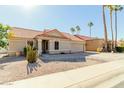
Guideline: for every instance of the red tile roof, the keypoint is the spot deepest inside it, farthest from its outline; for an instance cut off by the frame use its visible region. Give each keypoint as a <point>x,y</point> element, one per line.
<point>25,33</point>
<point>65,35</point>
<point>72,37</point>
<point>29,33</point>
<point>83,37</point>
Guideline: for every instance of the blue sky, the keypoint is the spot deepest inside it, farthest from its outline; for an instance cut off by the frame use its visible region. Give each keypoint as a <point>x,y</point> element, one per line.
<point>60,17</point>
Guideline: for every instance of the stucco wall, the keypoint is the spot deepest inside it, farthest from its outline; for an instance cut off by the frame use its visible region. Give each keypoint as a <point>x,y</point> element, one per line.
<point>17,44</point>
<point>77,46</point>
<point>65,46</point>
<point>92,45</point>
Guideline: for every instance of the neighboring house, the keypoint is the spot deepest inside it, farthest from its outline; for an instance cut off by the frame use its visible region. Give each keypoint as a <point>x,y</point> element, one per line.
<point>47,41</point>
<point>92,43</point>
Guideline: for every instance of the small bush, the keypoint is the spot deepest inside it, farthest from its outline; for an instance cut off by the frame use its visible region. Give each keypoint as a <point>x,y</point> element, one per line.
<point>31,54</point>
<point>26,49</point>
<point>34,48</point>
<point>120,49</point>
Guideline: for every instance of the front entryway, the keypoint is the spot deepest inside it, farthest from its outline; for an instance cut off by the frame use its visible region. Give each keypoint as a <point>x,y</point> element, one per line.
<point>45,46</point>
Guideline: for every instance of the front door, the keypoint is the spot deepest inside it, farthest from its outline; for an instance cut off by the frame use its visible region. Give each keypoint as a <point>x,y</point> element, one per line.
<point>45,46</point>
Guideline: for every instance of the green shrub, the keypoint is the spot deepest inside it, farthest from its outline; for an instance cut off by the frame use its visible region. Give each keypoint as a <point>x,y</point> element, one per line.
<point>25,51</point>
<point>31,54</point>
<point>120,49</point>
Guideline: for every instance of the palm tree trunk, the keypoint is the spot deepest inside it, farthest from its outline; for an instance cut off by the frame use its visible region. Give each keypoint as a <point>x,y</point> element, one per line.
<point>116,29</point>
<point>105,30</point>
<point>111,30</point>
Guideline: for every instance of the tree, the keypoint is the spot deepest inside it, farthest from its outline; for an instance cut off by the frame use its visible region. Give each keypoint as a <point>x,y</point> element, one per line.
<point>111,9</point>
<point>116,9</point>
<point>4,35</point>
<point>90,24</point>
<point>10,34</point>
<point>75,29</point>
<point>72,30</point>
<point>78,29</point>
<point>105,29</point>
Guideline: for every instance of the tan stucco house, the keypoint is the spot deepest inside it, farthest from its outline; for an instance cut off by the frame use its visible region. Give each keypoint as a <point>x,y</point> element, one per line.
<point>47,41</point>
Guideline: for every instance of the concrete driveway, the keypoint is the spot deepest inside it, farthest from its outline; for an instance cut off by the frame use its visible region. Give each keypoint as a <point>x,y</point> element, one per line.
<point>82,57</point>
<point>73,57</point>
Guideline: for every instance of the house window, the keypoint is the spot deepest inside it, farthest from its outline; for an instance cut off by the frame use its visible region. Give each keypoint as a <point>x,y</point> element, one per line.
<point>56,45</point>
<point>30,43</point>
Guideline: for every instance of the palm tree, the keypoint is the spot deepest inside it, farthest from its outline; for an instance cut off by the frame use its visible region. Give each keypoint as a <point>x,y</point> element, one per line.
<point>110,7</point>
<point>116,9</point>
<point>78,29</point>
<point>105,29</point>
<point>90,24</point>
<point>72,30</point>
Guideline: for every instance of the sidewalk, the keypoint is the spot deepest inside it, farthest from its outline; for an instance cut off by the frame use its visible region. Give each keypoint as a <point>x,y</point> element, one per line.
<point>82,77</point>
<point>105,57</point>
<point>115,82</point>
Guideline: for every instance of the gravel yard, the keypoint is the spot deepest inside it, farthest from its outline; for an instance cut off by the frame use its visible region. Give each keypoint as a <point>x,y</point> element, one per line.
<point>17,68</point>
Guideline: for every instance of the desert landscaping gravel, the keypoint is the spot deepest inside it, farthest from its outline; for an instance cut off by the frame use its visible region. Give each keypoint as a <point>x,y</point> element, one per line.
<point>17,68</point>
